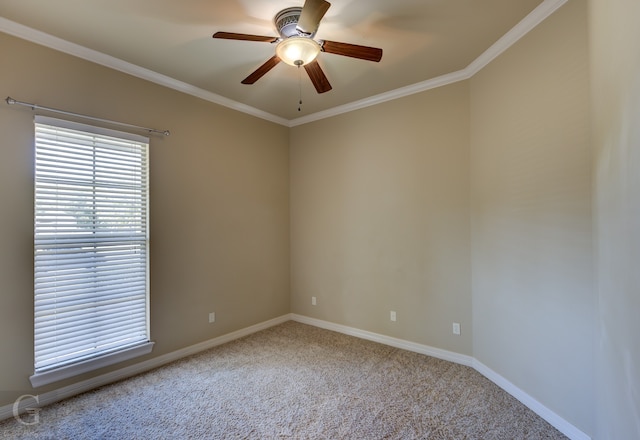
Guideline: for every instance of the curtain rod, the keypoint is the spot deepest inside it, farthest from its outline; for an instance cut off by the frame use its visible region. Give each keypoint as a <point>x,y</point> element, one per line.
<point>11,101</point>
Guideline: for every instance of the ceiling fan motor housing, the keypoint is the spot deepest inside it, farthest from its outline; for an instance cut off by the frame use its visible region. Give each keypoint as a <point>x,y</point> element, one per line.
<point>286,22</point>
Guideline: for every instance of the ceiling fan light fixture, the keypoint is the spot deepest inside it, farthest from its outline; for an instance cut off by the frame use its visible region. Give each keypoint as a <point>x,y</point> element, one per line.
<point>297,51</point>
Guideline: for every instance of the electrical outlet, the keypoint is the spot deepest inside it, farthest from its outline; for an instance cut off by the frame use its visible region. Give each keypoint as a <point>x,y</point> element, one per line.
<point>392,315</point>
<point>212,317</point>
<point>456,328</point>
<point>313,301</point>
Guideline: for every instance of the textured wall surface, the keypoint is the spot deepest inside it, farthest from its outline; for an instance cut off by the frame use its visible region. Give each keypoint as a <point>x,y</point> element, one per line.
<point>219,209</point>
<point>533,307</point>
<point>380,218</point>
<point>615,68</point>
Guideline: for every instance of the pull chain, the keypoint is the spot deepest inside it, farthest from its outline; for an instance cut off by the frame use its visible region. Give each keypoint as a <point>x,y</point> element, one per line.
<point>299,89</point>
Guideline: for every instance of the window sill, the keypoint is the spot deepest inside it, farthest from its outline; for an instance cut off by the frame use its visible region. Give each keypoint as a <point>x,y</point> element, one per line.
<point>47,377</point>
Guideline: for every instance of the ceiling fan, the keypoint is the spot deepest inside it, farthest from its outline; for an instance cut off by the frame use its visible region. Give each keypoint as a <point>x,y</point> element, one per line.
<point>296,46</point>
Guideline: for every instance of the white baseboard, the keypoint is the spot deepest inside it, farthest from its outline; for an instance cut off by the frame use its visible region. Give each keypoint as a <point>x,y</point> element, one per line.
<point>387,340</point>
<point>50,397</point>
<point>551,417</point>
<point>554,419</point>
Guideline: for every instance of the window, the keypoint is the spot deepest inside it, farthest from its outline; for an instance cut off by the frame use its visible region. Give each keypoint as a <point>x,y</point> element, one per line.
<point>91,248</point>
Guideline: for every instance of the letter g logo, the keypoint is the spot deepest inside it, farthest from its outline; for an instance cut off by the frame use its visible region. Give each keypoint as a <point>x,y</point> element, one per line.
<point>33,412</point>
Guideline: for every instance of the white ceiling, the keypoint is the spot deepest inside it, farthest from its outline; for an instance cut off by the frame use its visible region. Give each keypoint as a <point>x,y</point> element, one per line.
<point>171,41</point>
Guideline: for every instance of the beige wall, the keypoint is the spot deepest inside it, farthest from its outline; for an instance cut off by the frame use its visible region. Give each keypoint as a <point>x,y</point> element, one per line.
<point>472,202</point>
<point>388,205</point>
<point>615,69</point>
<point>380,218</point>
<point>533,295</point>
<point>219,205</point>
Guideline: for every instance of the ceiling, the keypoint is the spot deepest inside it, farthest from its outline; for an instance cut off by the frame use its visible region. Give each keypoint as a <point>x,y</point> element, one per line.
<point>421,40</point>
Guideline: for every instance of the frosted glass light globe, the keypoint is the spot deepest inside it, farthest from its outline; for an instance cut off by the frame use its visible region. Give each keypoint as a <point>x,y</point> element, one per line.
<point>297,51</point>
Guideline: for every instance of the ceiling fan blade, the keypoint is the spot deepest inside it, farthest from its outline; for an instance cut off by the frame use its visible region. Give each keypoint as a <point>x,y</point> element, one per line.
<point>312,13</point>
<point>260,71</point>
<point>244,37</point>
<point>353,50</point>
<point>317,76</point>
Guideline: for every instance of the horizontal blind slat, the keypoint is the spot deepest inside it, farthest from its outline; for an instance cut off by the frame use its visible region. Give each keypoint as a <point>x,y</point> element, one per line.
<point>79,297</point>
<point>90,243</point>
<point>49,300</point>
<point>92,324</point>
<point>90,331</point>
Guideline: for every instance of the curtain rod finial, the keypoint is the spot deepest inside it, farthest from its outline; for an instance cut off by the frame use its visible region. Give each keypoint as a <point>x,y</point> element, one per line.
<point>10,100</point>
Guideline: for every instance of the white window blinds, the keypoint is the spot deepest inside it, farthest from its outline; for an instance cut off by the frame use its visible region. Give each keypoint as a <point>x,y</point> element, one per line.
<point>91,242</point>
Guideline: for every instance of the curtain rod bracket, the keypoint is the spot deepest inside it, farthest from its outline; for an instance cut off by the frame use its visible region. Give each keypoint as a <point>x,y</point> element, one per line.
<point>12,101</point>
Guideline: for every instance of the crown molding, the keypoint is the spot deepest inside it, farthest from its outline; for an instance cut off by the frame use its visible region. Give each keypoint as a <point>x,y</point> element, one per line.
<point>47,40</point>
<point>433,83</point>
<point>537,16</point>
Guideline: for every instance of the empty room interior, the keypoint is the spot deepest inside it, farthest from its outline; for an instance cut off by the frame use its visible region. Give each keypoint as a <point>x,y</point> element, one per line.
<point>503,199</point>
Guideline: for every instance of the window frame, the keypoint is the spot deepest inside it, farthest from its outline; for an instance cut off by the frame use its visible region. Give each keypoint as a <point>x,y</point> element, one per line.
<point>82,364</point>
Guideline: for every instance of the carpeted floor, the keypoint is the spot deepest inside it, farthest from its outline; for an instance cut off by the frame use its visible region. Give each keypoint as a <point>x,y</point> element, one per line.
<point>294,381</point>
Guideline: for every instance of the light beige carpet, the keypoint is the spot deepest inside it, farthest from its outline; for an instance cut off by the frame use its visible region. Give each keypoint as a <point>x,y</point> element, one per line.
<point>294,381</point>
